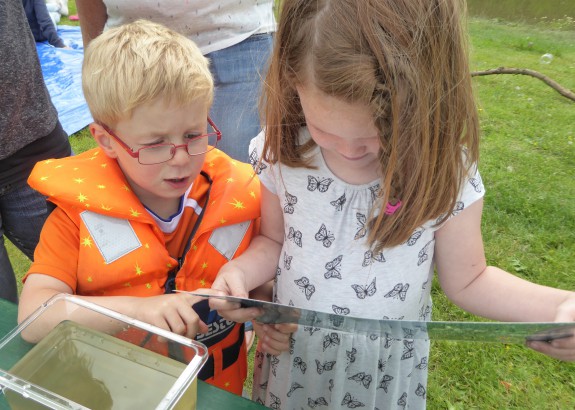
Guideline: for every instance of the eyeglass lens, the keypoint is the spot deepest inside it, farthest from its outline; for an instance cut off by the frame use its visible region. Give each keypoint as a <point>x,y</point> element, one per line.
<point>165,152</point>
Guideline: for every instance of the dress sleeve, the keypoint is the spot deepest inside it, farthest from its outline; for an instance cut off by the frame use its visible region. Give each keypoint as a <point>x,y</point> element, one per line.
<point>264,170</point>
<point>472,188</point>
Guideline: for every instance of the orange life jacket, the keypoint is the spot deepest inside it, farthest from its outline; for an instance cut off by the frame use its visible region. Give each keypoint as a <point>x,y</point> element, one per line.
<point>121,250</point>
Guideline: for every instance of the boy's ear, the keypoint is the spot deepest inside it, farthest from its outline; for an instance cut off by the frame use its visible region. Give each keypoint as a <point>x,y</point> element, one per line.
<point>103,139</point>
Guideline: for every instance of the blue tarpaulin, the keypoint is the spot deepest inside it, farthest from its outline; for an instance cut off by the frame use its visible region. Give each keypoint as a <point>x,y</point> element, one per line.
<point>62,71</point>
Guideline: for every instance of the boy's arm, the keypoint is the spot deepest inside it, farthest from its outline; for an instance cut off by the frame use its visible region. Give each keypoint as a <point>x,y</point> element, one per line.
<point>172,312</point>
<point>93,16</point>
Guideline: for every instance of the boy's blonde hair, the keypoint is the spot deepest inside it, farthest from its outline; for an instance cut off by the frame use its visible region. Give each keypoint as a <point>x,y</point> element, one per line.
<point>407,61</point>
<point>133,64</point>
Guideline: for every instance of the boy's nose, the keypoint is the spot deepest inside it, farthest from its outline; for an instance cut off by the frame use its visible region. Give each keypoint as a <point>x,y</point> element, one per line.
<point>181,153</point>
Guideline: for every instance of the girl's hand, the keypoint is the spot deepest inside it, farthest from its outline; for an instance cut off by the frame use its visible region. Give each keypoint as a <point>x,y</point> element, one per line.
<point>562,349</point>
<point>274,339</point>
<point>171,312</point>
<point>231,281</point>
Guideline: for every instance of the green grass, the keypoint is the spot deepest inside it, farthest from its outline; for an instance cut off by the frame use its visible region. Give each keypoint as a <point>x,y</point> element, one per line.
<point>528,167</point>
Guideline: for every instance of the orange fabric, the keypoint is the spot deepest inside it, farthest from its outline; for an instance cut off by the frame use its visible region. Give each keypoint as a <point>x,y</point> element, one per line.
<point>93,182</point>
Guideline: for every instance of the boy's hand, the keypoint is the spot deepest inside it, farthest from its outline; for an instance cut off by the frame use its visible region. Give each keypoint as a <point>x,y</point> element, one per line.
<point>562,349</point>
<point>172,312</point>
<point>274,339</point>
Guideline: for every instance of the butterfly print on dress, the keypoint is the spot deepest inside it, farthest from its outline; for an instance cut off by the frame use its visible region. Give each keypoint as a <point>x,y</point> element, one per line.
<point>350,402</point>
<point>294,387</point>
<point>256,164</point>
<point>385,382</point>
<point>375,192</point>
<point>422,364</point>
<point>361,221</point>
<point>324,367</point>
<point>291,200</point>
<point>259,358</point>
<point>422,254</point>
<point>310,329</point>
<point>414,237</point>
<point>321,184</point>
<point>320,401</point>
<point>300,364</point>
<point>402,400</point>
<point>274,363</point>
<point>295,236</point>
<point>351,354</point>
<point>420,391</point>
<point>424,312</point>
<point>407,350</point>
<point>305,286</point>
<point>340,310</point>
<point>330,340</point>
<point>339,203</point>
<point>398,291</point>
<point>409,333</point>
<point>369,258</point>
<point>287,261</point>
<point>363,291</point>
<point>393,318</point>
<point>324,236</point>
<point>389,341</point>
<point>291,343</point>
<point>477,184</point>
<point>361,378</point>
<point>333,269</point>
<point>275,402</point>
<point>382,363</point>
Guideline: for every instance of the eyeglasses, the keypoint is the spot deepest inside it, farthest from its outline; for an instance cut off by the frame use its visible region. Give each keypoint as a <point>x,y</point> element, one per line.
<point>158,153</point>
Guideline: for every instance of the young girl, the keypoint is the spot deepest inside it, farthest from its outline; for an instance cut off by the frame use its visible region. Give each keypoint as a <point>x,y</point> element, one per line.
<point>369,183</point>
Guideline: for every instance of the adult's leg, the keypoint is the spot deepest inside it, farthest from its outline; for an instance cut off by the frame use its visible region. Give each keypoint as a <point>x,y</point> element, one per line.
<point>8,289</point>
<point>23,212</point>
<point>238,74</point>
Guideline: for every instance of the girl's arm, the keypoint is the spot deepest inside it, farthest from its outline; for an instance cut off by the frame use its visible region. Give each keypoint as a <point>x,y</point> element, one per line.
<point>487,290</point>
<point>491,292</point>
<point>257,265</point>
<point>93,16</point>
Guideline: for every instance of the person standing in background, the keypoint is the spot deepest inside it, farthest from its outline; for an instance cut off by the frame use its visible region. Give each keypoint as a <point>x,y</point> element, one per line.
<point>29,132</point>
<point>42,26</point>
<point>236,35</point>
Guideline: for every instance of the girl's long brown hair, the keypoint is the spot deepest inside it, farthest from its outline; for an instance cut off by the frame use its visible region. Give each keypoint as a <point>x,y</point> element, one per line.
<point>405,59</point>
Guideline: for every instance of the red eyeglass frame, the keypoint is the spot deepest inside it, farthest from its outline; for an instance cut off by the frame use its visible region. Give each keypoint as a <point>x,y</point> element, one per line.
<point>136,154</point>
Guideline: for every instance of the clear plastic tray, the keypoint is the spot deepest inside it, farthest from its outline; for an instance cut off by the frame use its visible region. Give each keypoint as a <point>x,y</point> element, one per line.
<point>115,362</point>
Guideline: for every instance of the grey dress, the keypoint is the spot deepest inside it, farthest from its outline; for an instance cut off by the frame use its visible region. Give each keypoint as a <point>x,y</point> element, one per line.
<point>326,265</point>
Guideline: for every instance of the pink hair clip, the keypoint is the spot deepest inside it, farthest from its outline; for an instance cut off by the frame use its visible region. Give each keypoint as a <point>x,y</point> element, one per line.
<point>390,209</point>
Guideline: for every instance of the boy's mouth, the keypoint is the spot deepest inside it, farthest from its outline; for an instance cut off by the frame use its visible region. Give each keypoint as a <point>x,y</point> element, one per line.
<point>176,180</point>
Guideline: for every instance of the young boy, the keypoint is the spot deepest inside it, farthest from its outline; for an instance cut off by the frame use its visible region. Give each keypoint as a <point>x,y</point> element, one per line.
<point>154,207</point>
